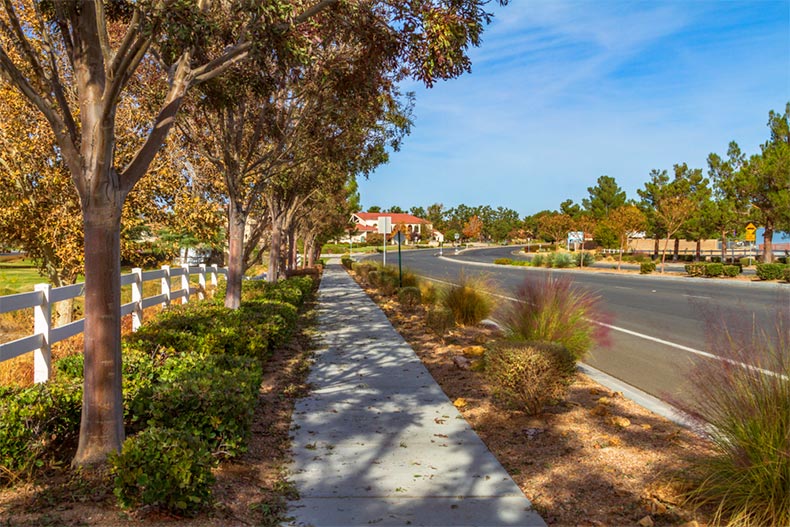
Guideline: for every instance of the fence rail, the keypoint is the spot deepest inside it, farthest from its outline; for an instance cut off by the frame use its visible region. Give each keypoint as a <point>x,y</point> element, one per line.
<point>44,296</point>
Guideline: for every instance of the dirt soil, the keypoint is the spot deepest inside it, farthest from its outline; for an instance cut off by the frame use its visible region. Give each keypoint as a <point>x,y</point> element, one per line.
<point>593,459</point>
<point>251,490</point>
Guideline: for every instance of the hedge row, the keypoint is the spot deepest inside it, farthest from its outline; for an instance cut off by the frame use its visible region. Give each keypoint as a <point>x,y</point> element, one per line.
<point>712,269</point>
<point>773,271</point>
<point>190,385</point>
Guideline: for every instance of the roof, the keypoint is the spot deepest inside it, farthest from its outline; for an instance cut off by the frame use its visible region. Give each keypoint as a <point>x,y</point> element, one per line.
<point>396,217</point>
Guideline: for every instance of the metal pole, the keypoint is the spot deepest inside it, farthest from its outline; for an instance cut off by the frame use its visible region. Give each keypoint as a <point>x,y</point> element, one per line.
<point>400,268</point>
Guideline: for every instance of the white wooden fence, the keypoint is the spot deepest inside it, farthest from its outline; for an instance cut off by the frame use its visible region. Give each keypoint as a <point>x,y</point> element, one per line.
<point>41,300</point>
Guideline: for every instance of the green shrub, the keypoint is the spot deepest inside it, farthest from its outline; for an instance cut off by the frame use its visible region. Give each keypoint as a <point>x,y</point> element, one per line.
<point>770,271</point>
<point>362,269</point>
<point>373,277</point>
<point>743,403</point>
<point>347,262</point>
<point>439,320</point>
<point>527,376</point>
<point>786,274</point>
<point>387,282</point>
<point>731,270</point>
<point>714,269</point>
<point>538,260</point>
<point>467,302</point>
<point>647,267</point>
<point>409,297</point>
<point>163,468</point>
<point>39,427</point>
<point>562,260</point>
<point>70,367</point>
<point>503,261</point>
<point>583,259</point>
<point>746,262</point>
<point>696,269</point>
<point>551,309</point>
<point>212,397</point>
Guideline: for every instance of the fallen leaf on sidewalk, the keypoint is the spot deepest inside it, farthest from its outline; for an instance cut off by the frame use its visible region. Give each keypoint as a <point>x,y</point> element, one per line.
<point>460,402</point>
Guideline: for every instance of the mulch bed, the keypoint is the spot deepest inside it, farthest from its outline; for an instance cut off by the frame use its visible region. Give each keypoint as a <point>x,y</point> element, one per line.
<point>593,459</point>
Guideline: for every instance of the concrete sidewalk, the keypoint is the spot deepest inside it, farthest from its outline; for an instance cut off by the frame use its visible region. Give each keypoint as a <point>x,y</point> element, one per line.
<point>378,443</point>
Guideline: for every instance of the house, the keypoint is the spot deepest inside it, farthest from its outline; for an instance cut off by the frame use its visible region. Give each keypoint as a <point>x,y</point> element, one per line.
<point>417,228</point>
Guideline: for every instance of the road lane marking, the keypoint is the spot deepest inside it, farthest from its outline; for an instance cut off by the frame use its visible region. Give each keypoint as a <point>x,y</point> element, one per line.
<point>654,339</point>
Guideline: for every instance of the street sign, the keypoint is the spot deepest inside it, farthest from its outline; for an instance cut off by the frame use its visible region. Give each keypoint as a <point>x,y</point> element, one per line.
<point>385,224</point>
<point>457,236</point>
<point>751,233</point>
<point>399,237</point>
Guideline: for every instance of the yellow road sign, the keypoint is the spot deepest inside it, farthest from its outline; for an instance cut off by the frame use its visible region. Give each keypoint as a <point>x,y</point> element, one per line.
<point>751,233</point>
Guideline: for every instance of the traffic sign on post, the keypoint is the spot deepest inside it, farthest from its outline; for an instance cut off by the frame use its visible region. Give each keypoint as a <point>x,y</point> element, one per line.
<point>751,233</point>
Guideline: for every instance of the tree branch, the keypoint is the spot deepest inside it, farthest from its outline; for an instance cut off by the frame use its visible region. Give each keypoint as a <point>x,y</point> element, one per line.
<point>162,124</point>
<point>59,128</point>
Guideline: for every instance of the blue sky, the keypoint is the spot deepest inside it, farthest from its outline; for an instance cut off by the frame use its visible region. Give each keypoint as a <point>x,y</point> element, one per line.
<point>562,92</point>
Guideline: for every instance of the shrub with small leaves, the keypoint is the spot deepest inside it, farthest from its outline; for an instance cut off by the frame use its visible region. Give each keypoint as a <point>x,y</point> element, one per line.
<point>164,468</point>
<point>714,269</point>
<point>527,376</point>
<point>647,267</point>
<point>39,427</point>
<point>409,297</point>
<point>695,269</point>
<point>439,320</point>
<point>347,262</point>
<point>503,261</point>
<point>731,270</point>
<point>538,260</point>
<point>786,274</point>
<point>770,271</point>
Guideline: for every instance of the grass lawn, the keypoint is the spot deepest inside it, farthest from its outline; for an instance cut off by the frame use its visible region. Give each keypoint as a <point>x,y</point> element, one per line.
<point>18,276</point>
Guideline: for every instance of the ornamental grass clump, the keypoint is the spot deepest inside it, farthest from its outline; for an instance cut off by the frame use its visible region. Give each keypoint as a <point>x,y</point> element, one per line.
<point>743,403</point>
<point>467,301</point>
<point>551,309</point>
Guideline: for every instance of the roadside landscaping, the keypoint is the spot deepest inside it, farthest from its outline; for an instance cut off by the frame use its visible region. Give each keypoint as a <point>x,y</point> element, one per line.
<point>207,393</point>
<point>583,454</point>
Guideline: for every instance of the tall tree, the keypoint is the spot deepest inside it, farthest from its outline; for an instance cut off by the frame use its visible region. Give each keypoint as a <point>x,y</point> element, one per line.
<point>554,227</point>
<point>49,49</point>
<point>604,197</point>
<point>624,221</point>
<point>762,182</point>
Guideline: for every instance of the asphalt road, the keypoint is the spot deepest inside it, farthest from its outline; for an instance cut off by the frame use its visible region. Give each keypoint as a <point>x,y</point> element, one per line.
<point>658,324</point>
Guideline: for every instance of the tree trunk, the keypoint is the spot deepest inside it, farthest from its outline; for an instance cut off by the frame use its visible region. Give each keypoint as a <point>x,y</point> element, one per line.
<point>236,221</point>
<point>275,250</point>
<point>723,244</point>
<point>768,243</point>
<point>664,254</point>
<point>655,248</point>
<point>101,427</point>
<point>699,251</point>
<point>676,250</point>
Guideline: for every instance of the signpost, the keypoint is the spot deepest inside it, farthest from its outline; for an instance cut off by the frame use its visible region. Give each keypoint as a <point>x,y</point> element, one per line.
<point>399,237</point>
<point>384,227</point>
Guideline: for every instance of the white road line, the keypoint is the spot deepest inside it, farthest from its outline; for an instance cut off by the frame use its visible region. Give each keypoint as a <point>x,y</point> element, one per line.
<point>653,339</point>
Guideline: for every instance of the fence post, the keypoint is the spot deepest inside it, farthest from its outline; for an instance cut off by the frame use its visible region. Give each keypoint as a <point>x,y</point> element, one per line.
<point>202,282</point>
<point>214,270</point>
<point>185,283</point>
<point>166,285</point>
<point>42,319</point>
<point>137,298</point>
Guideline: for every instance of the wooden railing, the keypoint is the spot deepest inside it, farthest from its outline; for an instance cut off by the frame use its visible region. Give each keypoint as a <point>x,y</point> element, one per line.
<point>44,296</point>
